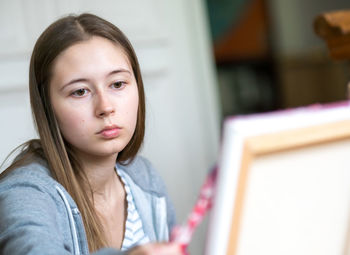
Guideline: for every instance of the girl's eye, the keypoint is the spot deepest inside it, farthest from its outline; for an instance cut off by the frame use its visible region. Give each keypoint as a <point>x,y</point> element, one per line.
<point>79,92</point>
<point>118,84</point>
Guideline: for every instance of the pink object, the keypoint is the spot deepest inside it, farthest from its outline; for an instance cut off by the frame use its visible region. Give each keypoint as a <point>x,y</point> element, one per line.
<point>183,234</point>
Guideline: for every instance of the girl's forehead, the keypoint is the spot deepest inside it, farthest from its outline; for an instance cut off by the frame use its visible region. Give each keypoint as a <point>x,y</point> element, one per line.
<point>94,55</point>
<point>95,48</point>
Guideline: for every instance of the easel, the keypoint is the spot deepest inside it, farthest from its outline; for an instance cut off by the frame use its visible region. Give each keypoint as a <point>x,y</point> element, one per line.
<point>334,28</point>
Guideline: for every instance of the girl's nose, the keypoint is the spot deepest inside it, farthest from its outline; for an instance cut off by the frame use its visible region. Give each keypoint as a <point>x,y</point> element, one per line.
<point>104,106</point>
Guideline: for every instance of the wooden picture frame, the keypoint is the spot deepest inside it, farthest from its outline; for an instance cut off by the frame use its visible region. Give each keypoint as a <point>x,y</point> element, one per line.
<point>284,184</point>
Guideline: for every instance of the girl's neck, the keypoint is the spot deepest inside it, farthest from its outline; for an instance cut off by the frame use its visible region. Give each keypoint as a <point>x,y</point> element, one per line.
<point>102,177</point>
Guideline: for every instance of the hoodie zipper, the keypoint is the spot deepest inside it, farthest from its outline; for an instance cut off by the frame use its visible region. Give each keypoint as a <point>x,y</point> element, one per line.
<point>71,221</point>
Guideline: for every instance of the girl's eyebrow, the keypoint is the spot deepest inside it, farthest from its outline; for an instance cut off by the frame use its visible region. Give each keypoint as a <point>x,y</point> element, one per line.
<point>72,82</point>
<point>121,70</point>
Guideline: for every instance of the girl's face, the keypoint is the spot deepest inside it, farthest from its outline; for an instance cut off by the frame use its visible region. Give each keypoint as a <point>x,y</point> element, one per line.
<point>94,96</point>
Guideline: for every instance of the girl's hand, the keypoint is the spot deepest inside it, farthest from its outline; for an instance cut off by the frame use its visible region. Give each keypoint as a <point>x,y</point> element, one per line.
<point>157,249</point>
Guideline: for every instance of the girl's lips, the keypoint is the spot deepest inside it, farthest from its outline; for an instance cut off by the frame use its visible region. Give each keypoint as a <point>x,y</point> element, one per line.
<point>110,132</point>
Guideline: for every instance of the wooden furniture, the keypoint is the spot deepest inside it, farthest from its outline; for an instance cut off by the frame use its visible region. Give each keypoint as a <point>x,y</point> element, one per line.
<point>334,28</point>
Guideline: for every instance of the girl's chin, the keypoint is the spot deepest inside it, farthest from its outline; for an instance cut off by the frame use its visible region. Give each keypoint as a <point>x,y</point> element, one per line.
<point>100,150</point>
<point>105,154</point>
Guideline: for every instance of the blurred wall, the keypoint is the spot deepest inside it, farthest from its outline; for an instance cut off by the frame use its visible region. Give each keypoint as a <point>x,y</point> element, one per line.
<point>172,42</point>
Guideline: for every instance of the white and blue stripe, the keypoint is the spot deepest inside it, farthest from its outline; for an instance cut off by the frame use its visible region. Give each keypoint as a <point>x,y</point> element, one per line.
<point>134,233</point>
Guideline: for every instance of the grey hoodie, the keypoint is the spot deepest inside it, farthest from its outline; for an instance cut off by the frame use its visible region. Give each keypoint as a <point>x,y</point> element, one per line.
<point>38,216</point>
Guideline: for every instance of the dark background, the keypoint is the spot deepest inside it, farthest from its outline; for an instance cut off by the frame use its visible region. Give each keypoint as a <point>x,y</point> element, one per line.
<point>268,57</point>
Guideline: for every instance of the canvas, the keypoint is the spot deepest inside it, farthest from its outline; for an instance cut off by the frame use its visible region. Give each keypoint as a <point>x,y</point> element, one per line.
<point>284,184</point>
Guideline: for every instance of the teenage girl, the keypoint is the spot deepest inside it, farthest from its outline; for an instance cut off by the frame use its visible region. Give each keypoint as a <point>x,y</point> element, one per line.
<point>81,187</point>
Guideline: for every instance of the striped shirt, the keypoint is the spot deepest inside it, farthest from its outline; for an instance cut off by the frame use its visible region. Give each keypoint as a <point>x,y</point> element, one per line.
<point>134,233</point>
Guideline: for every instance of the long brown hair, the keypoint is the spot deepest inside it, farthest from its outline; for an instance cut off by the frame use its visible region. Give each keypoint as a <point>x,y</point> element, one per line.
<point>62,161</point>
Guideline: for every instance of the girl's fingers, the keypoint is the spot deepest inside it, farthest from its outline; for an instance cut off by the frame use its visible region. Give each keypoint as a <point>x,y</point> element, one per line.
<point>157,249</point>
